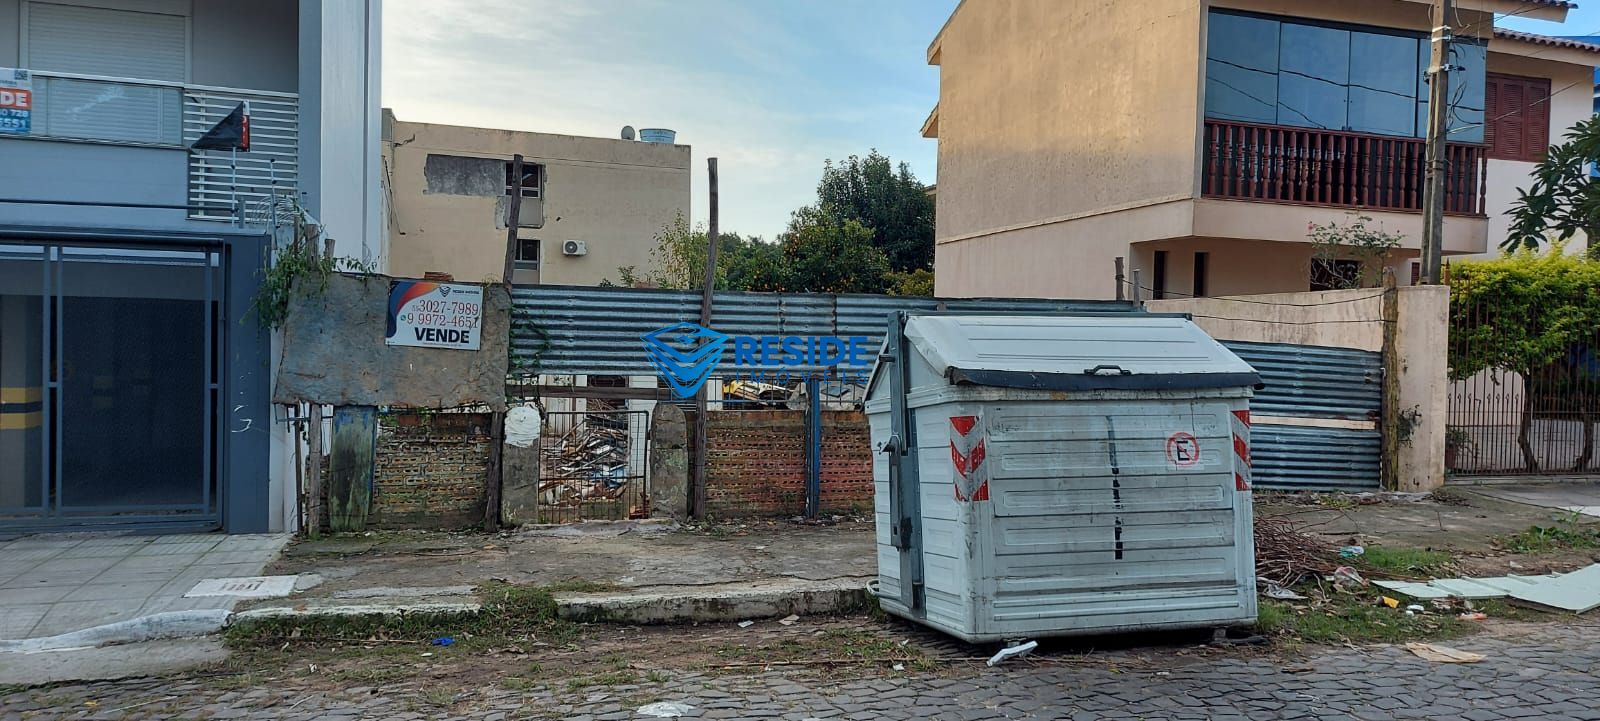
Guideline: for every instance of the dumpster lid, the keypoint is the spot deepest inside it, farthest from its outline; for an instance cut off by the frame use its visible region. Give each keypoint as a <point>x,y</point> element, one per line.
<point>1127,352</point>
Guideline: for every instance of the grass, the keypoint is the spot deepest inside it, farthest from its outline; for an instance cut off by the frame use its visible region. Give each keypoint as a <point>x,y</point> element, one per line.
<point>507,610</point>
<point>1420,561</point>
<point>1353,620</point>
<point>1567,533</point>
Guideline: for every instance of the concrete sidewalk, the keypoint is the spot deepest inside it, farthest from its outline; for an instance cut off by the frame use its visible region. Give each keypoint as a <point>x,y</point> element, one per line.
<point>640,572</point>
<point>54,584</point>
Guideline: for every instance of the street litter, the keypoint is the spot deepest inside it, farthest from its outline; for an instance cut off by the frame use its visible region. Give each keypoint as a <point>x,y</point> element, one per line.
<point>1285,554</point>
<point>443,641</point>
<point>788,620</point>
<point>1271,589</point>
<point>1414,608</point>
<point>746,624</point>
<point>1473,616</point>
<point>1391,602</point>
<point>665,709</point>
<point>1578,591</point>
<point>1351,551</point>
<point>899,667</point>
<point>1443,654</point>
<point>1346,579</point>
<point>1018,651</point>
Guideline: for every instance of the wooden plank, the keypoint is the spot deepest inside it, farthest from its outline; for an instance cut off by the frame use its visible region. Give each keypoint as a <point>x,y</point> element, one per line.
<point>614,394</point>
<point>492,478</point>
<point>313,489</point>
<point>355,437</point>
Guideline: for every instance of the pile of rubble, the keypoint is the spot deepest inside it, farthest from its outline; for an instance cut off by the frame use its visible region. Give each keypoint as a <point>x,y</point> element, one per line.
<point>588,462</point>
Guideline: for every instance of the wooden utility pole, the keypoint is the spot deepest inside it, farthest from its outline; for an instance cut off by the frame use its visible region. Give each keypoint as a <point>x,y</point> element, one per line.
<point>1438,133</point>
<point>700,399</point>
<point>513,220</point>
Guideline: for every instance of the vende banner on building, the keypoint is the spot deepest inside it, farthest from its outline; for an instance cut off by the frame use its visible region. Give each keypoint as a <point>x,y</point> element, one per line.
<point>435,315</point>
<point>16,101</point>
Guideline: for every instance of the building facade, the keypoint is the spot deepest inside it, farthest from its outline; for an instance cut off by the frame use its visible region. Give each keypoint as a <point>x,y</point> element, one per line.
<point>1199,139</point>
<point>589,206</point>
<point>134,377</point>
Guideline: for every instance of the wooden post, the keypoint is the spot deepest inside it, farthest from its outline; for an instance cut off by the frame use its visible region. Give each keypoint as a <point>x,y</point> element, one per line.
<point>1121,279</point>
<point>513,219</point>
<point>355,435</point>
<point>706,295</point>
<point>1390,411</point>
<point>493,479</point>
<point>1438,162</point>
<point>314,472</point>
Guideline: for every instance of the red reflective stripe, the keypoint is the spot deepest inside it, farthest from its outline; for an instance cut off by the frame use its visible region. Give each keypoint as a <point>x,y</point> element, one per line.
<point>1238,482</point>
<point>1242,450</point>
<point>958,460</point>
<point>982,494</point>
<point>1243,416</point>
<point>963,424</point>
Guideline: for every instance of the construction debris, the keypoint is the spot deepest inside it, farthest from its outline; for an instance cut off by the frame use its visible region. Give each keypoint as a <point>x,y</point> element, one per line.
<point>591,462</point>
<point>1443,654</point>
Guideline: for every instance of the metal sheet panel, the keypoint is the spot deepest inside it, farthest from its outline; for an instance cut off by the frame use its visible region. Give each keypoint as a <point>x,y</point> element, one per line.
<point>1314,381</point>
<point>584,330</point>
<point>1314,459</point>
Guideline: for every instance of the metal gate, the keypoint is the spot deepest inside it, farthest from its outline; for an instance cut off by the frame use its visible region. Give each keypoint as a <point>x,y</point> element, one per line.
<point>1539,422</point>
<point>1315,424</point>
<point>592,465</point>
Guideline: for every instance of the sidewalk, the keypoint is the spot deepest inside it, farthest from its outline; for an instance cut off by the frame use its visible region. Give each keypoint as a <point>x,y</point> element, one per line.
<point>57,584</point>
<point>640,572</point>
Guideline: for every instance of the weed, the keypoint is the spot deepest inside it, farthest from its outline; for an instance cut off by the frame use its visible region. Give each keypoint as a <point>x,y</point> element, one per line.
<point>1353,621</point>
<point>441,697</point>
<point>657,677</point>
<point>1404,560</point>
<point>514,683</point>
<point>611,678</point>
<point>1566,533</point>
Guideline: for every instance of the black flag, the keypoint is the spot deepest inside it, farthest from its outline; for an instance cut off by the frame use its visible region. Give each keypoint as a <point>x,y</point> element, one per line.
<point>233,133</point>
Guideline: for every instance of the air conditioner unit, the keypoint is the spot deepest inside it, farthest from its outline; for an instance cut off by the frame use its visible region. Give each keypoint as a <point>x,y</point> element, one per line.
<point>574,247</point>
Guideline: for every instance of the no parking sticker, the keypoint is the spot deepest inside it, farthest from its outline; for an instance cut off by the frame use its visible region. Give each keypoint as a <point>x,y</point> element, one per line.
<point>1183,449</point>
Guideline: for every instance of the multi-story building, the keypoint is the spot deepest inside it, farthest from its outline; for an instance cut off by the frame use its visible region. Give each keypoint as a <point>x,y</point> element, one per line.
<point>134,378</point>
<point>589,206</point>
<point>1198,139</point>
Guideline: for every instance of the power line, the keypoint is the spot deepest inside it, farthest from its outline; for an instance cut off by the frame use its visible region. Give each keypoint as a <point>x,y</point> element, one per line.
<point>1378,294</point>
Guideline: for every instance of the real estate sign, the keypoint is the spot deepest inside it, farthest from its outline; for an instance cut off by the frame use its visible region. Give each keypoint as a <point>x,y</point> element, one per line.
<point>435,315</point>
<point>16,101</point>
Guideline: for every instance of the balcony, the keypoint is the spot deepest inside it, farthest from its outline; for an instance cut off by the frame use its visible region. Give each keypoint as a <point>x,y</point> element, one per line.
<point>145,113</point>
<point>1302,166</point>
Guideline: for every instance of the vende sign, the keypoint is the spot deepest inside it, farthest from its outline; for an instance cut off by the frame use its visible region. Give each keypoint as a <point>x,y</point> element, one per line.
<point>16,101</point>
<point>434,315</point>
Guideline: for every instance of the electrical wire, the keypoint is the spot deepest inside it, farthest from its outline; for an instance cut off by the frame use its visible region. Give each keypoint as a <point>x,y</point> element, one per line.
<point>1378,294</point>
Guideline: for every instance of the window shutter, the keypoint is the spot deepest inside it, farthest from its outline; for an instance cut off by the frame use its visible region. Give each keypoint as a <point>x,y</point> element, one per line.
<point>114,43</point>
<point>1537,121</point>
<point>1491,109</point>
<point>1518,122</point>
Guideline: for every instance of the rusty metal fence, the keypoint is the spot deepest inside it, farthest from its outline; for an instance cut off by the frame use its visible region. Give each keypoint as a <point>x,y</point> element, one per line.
<point>592,465</point>
<point>1532,421</point>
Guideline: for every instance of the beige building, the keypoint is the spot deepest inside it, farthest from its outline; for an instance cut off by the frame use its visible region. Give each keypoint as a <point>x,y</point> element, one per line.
<point>1199,138</point>
<point>589,205</point>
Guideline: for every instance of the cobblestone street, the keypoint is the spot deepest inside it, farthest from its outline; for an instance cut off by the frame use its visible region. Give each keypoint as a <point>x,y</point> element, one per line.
<point>1532,672</point>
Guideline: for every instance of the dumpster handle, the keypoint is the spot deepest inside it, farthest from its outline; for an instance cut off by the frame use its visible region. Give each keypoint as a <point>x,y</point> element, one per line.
<point>1107,367</point>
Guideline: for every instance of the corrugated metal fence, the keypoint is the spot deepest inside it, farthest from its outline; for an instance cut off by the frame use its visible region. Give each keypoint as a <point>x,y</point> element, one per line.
<point>581,330</point>
<point>1319,384</point>
<point>577,330</point>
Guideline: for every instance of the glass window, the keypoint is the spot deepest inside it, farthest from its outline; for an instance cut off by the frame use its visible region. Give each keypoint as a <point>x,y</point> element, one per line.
<point>1467,92</point>
<point>1313,72</point>
<point>1242,68</point>
<point>1383,84</point>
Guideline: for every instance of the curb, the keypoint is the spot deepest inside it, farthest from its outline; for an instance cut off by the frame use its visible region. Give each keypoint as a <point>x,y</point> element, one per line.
<point>171,624</point>
<point>720,604</point>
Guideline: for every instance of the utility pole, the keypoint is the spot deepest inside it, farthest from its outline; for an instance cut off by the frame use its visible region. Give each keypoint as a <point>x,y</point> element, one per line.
<point>513,220</point>
<point>1438,131</point>
<point>701,399</point>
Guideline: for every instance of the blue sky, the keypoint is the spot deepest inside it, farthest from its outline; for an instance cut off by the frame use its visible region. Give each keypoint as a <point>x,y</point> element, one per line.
<point>769,87</point>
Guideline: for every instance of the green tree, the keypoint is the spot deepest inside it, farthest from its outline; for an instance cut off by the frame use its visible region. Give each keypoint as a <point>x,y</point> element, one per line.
<point>1369,247</point>
<point>911,282</point>
<point>888,200</point>
<point>1535,315</point>
<point>1563,199</point>
<point>678,261</point>
<point>823,253</point>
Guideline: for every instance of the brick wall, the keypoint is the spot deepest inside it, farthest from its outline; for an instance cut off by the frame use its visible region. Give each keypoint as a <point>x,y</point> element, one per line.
<point>755,462</point>
<point>430,471</point>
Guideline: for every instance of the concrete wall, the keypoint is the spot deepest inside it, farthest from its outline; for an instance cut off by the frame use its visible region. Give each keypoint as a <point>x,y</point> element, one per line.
<point>245,45</point>
<point>1031,144</point>
<point>1337,318</point>
<point>612,194</point>
<point>340,122</point>
<point>1422,334</point>
<point>10,41</point>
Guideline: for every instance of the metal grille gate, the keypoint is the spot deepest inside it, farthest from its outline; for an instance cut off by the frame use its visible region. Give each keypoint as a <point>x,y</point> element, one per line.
<point>592,465</point>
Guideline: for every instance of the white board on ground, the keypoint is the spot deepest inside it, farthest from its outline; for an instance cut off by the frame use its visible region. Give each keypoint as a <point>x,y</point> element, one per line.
<point>1578,591</point>
<point>244,587</point>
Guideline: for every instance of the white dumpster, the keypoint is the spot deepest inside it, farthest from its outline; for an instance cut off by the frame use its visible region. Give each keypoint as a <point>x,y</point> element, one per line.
<point>1061,475</point>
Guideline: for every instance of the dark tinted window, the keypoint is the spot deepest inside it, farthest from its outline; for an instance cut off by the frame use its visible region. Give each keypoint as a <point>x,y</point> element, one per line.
<point>1313,76</point>
<point>1242,69</point>
<point>1383,84</point>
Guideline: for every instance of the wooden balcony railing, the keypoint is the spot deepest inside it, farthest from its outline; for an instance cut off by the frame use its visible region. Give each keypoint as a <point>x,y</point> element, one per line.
<point>1322,167</point>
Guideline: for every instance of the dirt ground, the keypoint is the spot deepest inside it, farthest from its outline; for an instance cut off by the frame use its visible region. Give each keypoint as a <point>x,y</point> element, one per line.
<point>1457,520</point>
<point>621,555</point>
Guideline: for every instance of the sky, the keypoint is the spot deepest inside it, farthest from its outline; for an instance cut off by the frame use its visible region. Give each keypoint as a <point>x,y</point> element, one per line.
<point>771,88</point>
